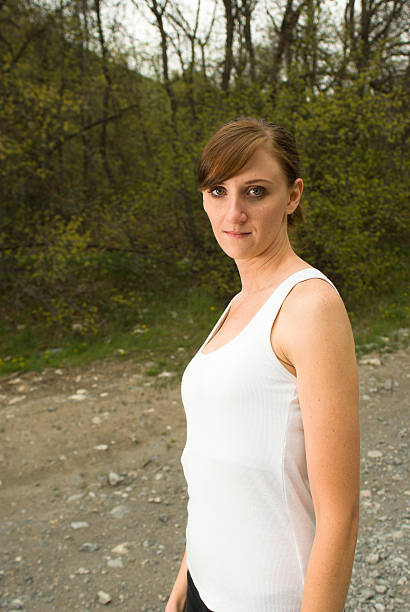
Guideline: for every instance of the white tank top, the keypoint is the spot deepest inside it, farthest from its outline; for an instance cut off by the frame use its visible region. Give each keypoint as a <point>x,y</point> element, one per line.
<point>251,520</point>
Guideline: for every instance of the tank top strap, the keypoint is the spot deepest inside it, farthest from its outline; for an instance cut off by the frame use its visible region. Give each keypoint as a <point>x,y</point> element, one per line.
<point>270,309</point>
<point>266,315</point>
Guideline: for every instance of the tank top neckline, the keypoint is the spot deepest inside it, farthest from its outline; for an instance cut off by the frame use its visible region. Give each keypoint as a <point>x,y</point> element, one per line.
<point>225,313</point>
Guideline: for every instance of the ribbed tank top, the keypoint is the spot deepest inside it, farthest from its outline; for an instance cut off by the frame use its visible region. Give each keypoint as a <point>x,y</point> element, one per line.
<point>251,520</point>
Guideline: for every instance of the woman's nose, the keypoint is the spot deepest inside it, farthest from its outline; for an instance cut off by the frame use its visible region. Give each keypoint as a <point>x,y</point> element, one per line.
<point>236,212</point>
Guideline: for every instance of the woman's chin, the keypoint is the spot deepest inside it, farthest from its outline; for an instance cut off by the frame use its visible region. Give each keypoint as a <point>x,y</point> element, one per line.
<point>234,251</point>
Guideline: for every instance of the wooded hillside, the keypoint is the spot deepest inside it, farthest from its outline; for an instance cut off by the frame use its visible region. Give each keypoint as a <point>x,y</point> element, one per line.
<point>98,197</point>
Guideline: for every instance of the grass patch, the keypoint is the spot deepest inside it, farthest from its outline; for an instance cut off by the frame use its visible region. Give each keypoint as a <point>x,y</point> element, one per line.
<point>168,329</point>
<point>380,323</point>
<point>164,335</point>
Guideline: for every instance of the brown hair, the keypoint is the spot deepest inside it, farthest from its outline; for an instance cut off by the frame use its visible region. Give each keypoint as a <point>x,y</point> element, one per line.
<point>232,145</point>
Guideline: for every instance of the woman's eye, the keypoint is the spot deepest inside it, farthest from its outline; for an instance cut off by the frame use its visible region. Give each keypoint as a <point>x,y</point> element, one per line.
<point>217,191</point>
<point>257,191</point>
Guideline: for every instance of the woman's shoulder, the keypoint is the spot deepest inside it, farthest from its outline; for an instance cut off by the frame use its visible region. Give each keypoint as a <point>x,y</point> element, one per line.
<point>312,296</point>
<point>312,316</point>
<point>312,304</point>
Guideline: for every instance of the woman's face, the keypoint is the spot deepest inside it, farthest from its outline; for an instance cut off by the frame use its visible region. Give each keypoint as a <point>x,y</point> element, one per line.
<point>248,211</point>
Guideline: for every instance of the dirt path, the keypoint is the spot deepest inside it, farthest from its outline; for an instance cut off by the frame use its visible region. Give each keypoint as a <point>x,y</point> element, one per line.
<point>93,497</point>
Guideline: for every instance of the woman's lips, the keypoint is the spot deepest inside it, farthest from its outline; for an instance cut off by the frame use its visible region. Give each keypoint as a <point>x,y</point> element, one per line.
<point>237,234</point>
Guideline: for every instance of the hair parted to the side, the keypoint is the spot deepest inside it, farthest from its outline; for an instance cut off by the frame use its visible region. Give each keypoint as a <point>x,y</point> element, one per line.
<point>230,148</point>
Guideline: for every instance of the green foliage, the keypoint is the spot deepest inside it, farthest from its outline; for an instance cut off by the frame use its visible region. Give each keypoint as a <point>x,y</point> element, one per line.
<point>383,323</point>
<point>160,332</point>
<point>99,203</point>
<point>169,326</point>
<point>354,146</point>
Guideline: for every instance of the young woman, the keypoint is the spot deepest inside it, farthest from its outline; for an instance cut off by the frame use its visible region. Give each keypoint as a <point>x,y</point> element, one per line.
<point>271,400</point>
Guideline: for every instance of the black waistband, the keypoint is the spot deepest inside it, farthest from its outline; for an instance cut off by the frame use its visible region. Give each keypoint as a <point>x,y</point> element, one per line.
<point>194,602</point>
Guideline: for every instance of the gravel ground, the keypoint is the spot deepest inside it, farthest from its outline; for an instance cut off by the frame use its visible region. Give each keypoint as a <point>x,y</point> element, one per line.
<point>93,499</point>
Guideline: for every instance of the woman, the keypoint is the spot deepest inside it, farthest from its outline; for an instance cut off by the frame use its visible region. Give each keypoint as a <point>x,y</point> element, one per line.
<point>271,400</point>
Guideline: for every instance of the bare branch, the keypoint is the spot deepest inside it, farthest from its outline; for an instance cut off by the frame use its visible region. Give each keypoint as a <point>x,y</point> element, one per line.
<point>63,139</point>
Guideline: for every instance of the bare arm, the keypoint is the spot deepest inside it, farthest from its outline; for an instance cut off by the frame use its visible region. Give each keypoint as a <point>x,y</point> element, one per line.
<point>177,598</point>
<point>320,346</point>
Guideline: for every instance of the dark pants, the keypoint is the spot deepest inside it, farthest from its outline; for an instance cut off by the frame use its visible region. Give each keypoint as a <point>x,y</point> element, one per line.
<point>193,601</point>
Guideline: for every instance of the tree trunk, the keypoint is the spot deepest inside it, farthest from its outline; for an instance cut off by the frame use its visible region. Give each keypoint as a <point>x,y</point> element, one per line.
<point>158,11</point>
<point>283,46</point>
<point>61,88</point>
<point>106,97</point>
<point>247,8</point>
<point>228,60</point>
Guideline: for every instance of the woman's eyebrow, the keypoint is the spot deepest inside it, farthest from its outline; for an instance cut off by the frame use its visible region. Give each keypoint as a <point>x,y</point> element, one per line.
<point>258,180</point>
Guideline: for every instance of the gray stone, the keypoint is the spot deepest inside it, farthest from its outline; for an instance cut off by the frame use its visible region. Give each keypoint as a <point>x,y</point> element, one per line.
<point>89,547</point>
<point>373,558</point>
<point>121,549</point>
<point>75,497</point>
<point>119,512</point>
<point>115,563</point>
<point>104,598</point>
<point>399,561</point>
<point>366,493</point>
<point>374,454</point>
<point>388,384</point>
<point>165,374</point>
<point>367,594</point>
<point>373,361</point>
<point>114,478</point>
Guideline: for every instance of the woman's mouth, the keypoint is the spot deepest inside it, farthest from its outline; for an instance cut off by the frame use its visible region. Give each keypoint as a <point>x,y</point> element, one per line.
<point>237,234</point>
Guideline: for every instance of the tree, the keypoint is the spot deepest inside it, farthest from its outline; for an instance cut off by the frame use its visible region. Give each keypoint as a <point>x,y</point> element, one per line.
<point>283,45</point>
<point>375,34</point>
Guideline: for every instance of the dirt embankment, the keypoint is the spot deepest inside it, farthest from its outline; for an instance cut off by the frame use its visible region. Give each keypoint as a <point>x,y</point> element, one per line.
<point>93,499</point>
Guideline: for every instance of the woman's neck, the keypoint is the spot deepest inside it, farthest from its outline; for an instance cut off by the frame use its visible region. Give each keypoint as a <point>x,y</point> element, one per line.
<point>268,270</point>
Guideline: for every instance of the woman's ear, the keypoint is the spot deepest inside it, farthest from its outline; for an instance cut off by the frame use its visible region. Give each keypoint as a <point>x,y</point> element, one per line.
<point>295,193</point>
